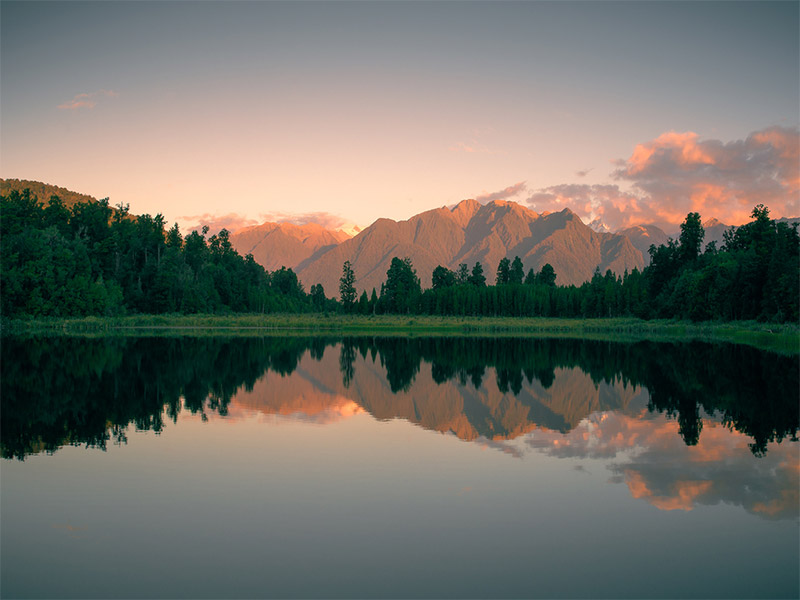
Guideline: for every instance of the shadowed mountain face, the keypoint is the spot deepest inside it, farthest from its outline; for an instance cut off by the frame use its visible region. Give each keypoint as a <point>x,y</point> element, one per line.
<point>274,245</point>
<point>644,236</point>
<point>470,233</point>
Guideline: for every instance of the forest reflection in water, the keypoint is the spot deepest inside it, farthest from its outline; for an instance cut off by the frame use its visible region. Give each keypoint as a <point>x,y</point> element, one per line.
<point>717,411</point>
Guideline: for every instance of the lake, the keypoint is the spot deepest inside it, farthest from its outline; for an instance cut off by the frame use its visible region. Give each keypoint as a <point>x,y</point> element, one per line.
<point>210,467</point>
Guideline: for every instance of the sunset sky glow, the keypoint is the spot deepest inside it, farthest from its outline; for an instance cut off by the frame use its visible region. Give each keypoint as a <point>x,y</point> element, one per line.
<point>344,112</point>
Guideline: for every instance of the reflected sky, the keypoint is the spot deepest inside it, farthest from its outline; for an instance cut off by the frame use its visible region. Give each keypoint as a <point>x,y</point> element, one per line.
<point>574,418</point>
<point>306,475</point>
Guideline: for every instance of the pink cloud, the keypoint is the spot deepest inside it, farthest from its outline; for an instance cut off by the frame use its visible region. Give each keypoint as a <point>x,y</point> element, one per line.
<point>88,100</point>
<point>678,173</point>
<point>325,219</point>
<point>659,468</point>
<point>216,223</point>
<point>614,207</point>
<point>504,194</point>
<point>234,222</point>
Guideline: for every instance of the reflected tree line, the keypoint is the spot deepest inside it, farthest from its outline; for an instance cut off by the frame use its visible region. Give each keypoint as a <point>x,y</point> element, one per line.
<point>80,391</point>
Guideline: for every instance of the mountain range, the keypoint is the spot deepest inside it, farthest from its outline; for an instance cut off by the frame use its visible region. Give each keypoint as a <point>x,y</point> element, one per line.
<point>468,232</point>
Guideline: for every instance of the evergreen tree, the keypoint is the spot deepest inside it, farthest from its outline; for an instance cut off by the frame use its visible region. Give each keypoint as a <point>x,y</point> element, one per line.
<point>547,276</point>
<point>503,269</point>
<point>347,290</point>
<point>402,289</point>
<point>477,278</point>
<point>318,299</point>
<point>691,238</point>
<point>530,278</point>
<point>516,273</point>
<point>363,304</point>
<point>462,276</point>
<point>442,277</point>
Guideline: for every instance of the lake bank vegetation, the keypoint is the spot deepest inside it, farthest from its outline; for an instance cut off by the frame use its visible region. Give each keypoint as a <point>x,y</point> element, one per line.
<point>92,260</point>
<point>784,338</point>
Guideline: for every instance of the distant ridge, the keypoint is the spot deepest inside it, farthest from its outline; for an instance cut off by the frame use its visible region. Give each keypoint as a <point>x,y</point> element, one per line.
<point>471,232</point>
<point>43,191</point>
<point>274,245</point>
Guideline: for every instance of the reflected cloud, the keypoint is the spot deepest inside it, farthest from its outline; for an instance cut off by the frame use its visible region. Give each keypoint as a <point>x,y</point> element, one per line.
<point>627,406</point>
<point>659,469</point>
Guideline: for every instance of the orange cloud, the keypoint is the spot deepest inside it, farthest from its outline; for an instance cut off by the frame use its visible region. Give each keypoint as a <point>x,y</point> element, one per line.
<point>325,219</point>
<point>216,223</point>
<point>608,203</point>
<point>660,469</point>
<point>87,100</point>
<point>504,194</point>
<point>676,148</point>
<point>234,222</point>
<point>677,173</point>
<point>682,497</point>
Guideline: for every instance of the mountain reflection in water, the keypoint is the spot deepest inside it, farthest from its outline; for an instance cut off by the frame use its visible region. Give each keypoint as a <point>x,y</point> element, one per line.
<point>681,421</point>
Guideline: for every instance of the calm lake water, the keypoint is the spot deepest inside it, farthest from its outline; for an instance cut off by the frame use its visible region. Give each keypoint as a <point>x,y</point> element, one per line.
<point>392,467</point>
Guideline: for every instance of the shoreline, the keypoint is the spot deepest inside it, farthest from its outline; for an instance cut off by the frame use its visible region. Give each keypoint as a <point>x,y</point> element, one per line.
<point>784,337</point>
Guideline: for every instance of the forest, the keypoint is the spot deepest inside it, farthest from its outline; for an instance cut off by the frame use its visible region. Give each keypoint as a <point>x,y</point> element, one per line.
<point>753,276</point>
<point>94,259</point>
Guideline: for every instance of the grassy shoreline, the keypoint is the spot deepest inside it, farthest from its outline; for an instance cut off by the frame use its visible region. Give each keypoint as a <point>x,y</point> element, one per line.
<point>781,337</point>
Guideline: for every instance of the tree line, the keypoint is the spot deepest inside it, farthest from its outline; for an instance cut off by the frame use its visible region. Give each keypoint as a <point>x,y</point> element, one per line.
<point>94,259</point>
<point>754,275</point>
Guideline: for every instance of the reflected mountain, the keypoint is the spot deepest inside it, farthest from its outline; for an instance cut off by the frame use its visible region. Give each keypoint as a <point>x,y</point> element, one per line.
<point>81,391</point>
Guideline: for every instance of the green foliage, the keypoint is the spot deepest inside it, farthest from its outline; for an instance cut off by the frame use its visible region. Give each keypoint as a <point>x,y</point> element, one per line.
<point>547,276</point>
<point>477,277</point>
<point>442,278</point>
<point>516,273</point>
<point>691,238</point>
<point>402,290</point>
<point>347,290</point>
<point>503,271</point>
<point>91,259</point>
<point>462,275</point>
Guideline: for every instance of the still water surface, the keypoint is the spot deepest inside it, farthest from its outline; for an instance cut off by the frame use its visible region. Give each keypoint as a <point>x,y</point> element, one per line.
<point>391,467</point>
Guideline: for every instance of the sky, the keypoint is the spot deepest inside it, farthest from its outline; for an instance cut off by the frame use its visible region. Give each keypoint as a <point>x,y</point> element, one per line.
<point>345,112</point>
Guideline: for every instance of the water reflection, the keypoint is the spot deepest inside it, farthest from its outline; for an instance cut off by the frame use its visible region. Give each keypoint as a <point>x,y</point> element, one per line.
<point>88,391</point>
<point>679,423</point>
